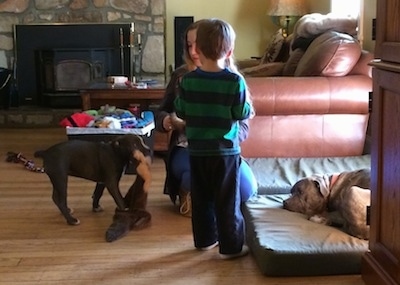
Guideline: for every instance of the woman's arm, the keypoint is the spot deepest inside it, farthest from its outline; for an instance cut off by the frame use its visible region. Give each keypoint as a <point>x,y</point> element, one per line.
<point>167,104</point>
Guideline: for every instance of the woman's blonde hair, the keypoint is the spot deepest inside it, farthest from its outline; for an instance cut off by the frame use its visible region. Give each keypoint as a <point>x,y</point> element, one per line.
<point>186,54</point>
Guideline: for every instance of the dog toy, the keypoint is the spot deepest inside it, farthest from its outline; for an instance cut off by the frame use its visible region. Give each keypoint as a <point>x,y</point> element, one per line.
<point>77,120</point>
<point>19,158</point>
<point>136,217</point>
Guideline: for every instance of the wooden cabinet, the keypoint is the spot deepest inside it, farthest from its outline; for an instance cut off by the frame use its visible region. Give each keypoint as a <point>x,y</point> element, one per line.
<point>381,264</point>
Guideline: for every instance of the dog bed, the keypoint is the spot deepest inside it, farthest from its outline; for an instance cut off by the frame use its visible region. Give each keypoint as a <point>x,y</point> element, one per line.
<point>284,243</point>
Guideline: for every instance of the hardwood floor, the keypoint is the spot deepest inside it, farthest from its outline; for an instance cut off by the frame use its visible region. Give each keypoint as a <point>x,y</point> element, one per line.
<point>38,247</point>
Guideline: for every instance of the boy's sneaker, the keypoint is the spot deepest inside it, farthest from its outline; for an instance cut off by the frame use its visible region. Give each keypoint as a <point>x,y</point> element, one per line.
<point>185,204</point>
<point>208,247</point>
<point>243,252</point>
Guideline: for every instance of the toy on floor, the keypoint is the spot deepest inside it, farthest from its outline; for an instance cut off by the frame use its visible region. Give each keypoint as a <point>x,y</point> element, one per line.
<point>19,158</point>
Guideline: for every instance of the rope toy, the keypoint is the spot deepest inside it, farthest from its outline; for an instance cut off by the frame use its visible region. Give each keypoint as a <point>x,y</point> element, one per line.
<point>19,158</point>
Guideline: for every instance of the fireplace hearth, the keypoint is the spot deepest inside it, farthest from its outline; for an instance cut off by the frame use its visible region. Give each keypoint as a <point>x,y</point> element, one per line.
<point>53,62</point>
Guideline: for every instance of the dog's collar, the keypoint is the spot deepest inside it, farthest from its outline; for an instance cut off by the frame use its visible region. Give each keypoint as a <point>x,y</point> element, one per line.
<point>334,178</point>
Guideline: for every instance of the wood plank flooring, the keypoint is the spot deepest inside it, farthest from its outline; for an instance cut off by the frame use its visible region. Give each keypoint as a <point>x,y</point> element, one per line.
<point>38,247</point>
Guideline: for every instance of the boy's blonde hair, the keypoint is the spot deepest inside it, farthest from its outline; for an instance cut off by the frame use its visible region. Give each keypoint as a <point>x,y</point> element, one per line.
<point>215,38</point>
<point>230,62</point>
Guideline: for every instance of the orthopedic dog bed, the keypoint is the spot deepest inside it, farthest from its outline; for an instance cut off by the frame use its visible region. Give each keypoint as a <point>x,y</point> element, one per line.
<point>286,243</point>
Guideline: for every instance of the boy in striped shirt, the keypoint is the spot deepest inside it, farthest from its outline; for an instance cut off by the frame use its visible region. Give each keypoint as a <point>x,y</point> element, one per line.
<point>212,100</point>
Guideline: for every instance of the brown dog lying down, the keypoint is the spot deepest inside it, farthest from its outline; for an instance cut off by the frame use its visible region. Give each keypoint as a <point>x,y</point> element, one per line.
<point>339,200</point>
<point>101,162</point>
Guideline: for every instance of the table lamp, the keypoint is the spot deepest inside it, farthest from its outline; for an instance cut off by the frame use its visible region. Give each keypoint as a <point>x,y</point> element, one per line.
<point>284,13</point>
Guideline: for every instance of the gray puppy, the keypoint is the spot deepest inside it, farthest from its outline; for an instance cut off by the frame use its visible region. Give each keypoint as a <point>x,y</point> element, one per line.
<point>340,200</point>
<point>101,162</point>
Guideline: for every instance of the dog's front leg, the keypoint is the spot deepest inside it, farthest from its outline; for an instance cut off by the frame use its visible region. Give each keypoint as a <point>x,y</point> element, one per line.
<point>113,189</point>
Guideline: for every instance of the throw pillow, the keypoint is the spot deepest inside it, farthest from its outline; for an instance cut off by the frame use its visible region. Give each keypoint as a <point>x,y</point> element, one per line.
<point>274,48</point>
<point>330,54</point>
<point>292,62</point>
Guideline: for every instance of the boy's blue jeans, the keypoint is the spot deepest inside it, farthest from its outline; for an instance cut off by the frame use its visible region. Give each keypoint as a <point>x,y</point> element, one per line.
<point>216,213</point>
<point>180,169</point>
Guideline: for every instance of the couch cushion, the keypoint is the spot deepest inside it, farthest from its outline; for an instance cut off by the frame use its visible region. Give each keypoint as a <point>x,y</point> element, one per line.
<point>330,54</point>
<point>284,243</point>
<point>293,61</point>
<point>277,175</point>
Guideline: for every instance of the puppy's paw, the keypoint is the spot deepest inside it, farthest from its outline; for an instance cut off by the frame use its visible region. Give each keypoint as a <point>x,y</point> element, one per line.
<point>97,209</point>
<point>319,219</point>
<point>73,222</point>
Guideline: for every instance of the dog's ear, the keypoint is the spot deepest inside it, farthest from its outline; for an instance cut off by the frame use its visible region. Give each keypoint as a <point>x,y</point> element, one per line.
<point>130,143</point>
<point>137,143</point>
<point>323,184</point>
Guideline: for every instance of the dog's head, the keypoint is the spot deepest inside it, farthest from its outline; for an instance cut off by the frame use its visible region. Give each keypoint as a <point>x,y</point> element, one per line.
<point>129,145</point>
<point>309,195</point>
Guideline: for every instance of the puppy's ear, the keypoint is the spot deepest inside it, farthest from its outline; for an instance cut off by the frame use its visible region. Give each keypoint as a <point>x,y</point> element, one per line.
<point>323,182</point>
<point>296,188</point>
<point>139,144</point>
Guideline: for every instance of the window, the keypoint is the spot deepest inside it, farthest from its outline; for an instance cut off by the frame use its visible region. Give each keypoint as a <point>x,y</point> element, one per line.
<point>350,8</point>
<point>353,8</point>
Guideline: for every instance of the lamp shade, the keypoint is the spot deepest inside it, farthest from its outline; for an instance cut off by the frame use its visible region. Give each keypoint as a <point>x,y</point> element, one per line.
<point>287,8</point>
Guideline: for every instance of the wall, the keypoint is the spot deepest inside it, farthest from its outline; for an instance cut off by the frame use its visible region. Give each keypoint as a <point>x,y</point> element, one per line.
<point>250,22</point>
<point>253,27</point>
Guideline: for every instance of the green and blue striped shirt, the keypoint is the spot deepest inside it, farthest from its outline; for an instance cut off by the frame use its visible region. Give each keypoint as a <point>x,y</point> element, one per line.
<point>212,103</point>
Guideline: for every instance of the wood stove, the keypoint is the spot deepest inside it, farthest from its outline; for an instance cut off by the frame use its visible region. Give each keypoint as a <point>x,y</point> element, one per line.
<point>53,62</point>
<point>61,73</point>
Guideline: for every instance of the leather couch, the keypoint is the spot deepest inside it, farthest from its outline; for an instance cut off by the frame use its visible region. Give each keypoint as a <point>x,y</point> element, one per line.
<point>312,121</point>
<point>323,113</point>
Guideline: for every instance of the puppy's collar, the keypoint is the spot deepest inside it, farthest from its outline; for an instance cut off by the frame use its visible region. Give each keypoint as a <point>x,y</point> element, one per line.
<point>334,178</point>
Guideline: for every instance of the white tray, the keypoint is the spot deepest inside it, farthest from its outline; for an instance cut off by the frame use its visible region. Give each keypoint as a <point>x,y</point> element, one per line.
<point>106,131</point>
